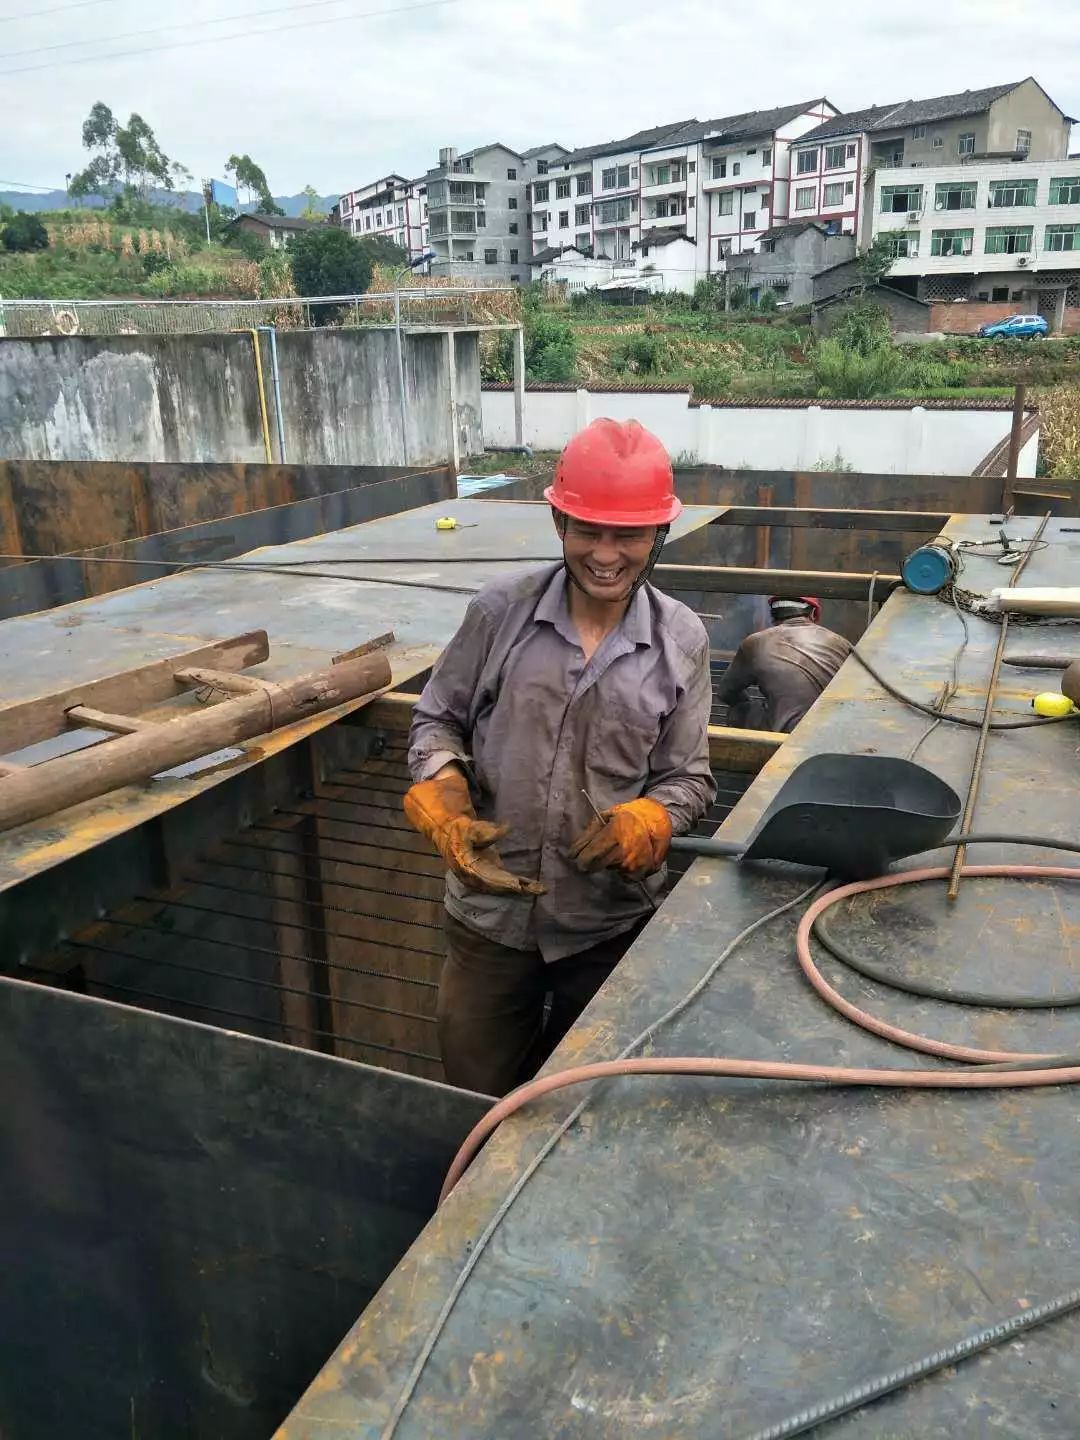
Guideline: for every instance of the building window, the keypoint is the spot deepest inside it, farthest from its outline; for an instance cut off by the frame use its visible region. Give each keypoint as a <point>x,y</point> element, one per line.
<point>1007,239</point>
<point>511,204</point>
<point>516,279</point>
<point>1065,190</point>
<point>749,219</point>
<point>766,155</point>
<point>691,167</point>
<point>541,167</point>
<point>849,187</point>
<point>999,293</point>
<point>904,244</point>
<point>367,222</point>
<point>401,214</point>
<point>513,257</point>
<point>805,195</point>
<point>540,192</point>
<point>955,196</point>
<point>564,219</point>
<point>895,199</point>
<point>725,203</point>
<point>581,214</point>
<point>378,219</point>
<point>951,242</point>
<point>481,220</point>
<point>1062,237</point>
<point>562,189</point>
<point>752,152</point>
<point>918,132</point>
<point>834,157</point>
<point>938,142</point>
<point>807,162</point>
<point>690,202</point>
<point>511,173</point>
<point>608,178</point>
<point>541,222</point>
<point>469,255</point>
<point>584,184</point>
<point>834,194</point>
<point>581,241</point>
<point>1023,142</point>
<point>719,169</point>
<point>965,144</point>
<point>624,176</point>
<point>736,167</point>
<point>723,249</point>
<point>1006,193</point>
<point>513,227</point>
<point>851,150</point>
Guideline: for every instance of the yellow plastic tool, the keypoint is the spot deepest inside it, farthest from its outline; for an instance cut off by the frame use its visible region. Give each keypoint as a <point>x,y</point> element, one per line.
<point>1053,705</point>
<point>446,522</point>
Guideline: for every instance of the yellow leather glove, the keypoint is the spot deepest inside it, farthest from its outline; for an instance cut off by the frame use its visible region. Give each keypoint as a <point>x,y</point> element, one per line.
<point>634,838</point>
<point>442,810</point>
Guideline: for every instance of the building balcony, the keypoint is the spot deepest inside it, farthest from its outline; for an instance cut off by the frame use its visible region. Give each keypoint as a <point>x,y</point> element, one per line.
<point>652,220</point>
<point>669,187</point>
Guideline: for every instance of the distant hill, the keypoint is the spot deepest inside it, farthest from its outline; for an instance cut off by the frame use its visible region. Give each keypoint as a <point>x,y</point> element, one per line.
<point>184,200</point>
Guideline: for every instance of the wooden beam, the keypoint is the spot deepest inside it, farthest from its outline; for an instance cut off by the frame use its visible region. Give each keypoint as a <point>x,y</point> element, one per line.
<point>745,751</point>
<point>28,721</point>
<point>104,720</point>
<point>794,518</point>
<point>736,580</point>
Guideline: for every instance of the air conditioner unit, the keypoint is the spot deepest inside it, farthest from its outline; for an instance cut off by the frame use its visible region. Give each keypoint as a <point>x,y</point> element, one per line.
<point>912,215</point>
<point>1021,260</point>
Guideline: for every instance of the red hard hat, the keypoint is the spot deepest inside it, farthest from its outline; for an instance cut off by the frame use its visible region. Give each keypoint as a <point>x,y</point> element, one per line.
<point>615,473</point>
<point>811,600</point>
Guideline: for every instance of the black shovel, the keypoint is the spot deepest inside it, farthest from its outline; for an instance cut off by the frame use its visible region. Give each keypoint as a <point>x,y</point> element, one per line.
<point>852,815</point>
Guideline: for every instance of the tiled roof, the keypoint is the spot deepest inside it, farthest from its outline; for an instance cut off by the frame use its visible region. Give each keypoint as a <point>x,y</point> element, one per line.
<point>535,150</point>
<point>660,236</point>
<point>742,127</point>
<point>549,252</point>
<point>904,113</point>
<point>784,232</point>
<point>640,140</point>
<point>279,222</point>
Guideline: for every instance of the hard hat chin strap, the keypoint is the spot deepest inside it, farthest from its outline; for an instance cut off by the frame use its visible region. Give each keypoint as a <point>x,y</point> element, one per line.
<point>654,555</point>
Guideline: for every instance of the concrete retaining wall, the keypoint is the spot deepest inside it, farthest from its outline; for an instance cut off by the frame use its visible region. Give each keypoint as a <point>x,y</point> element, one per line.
<point>913,440</point>
<point>196,398</point>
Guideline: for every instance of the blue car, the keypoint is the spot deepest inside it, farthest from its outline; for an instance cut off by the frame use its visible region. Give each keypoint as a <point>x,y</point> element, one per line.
<point>1015,327</point>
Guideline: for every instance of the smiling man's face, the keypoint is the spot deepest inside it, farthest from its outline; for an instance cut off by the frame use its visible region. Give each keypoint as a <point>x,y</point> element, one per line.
<point>606,560</point>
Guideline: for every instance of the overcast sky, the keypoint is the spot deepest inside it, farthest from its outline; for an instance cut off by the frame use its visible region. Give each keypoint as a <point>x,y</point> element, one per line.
<point>338,104</point>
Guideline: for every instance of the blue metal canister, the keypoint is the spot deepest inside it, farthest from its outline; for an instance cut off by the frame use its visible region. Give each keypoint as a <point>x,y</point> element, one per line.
<point>929,569</point>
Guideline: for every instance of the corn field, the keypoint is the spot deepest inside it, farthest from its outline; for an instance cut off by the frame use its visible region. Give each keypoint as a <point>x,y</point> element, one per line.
<point>1059,413</point>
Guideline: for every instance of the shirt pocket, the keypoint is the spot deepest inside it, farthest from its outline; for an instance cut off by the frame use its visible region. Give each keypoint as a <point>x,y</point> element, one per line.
<point>618,751</point>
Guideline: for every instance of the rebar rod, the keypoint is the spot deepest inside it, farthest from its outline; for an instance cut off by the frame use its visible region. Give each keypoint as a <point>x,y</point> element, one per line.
<point>341,884</point>
<point>285,899</point>
<point>337,859</point>
<point>357,844</point>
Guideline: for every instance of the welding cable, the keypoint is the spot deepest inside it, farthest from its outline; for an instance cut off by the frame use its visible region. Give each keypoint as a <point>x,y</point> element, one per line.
<point>937,715</point>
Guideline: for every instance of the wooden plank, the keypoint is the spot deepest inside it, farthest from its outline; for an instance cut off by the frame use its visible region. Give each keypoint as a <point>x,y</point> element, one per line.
<point>380,642</point>
<point>133,690</point>
<point>735,580</point>
<point>104,720</point>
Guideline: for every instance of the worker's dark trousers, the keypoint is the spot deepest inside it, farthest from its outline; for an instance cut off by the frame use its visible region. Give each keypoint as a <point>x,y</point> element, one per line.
<point>491,1005</point>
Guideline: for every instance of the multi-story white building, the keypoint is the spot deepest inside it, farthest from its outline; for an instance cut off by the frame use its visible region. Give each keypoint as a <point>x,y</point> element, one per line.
<point>834,165</point>
<point>393,207</point>
<point>720,183</point>
<point>994,231</point>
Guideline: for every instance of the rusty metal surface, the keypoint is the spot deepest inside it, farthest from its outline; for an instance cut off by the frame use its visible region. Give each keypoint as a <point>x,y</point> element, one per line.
<point>40,585</point>
<point>53,506</point>
<point>190,1218</point>
<point>308,620</point>
<point>702,1258</point>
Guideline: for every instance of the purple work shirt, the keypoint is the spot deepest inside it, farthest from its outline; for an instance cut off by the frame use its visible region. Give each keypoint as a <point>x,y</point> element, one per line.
<point>513,691</point>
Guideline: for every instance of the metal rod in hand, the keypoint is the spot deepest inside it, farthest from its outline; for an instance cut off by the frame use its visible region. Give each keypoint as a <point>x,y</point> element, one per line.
<point>603,820</point>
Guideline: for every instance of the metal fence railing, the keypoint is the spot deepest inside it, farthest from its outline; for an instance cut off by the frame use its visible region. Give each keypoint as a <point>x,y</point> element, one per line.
<point>458,305</point>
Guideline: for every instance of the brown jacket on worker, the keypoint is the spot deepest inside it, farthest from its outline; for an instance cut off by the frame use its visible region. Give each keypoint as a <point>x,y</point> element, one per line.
<point>790,663</point>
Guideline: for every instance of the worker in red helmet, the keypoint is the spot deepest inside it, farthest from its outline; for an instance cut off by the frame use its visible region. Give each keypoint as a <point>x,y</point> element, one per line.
<point>789,664</point>
<point>567,687</point>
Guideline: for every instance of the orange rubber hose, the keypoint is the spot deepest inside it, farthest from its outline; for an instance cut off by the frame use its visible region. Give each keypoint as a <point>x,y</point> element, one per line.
<point>961,1079</point>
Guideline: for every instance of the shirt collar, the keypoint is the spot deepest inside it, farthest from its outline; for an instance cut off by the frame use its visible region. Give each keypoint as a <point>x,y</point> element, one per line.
<point>554,609</point>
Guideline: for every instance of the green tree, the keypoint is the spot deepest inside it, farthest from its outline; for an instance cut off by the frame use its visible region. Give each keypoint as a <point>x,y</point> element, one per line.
<point>876,261</point>
<point>328,261</point>
<point>126,157</point>
<point>381,251</point>
<point>311,195</point>
<point>24,232</point>
<point>251,181</point>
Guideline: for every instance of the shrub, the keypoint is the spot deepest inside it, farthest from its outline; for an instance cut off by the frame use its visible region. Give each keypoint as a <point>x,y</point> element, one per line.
<point>863,327</point>
<point>24,232</point>
<point>641,355</point>
<point>767,301</point>
<point>550,346</point>
<point>846,374</point>
<point>328,261</point>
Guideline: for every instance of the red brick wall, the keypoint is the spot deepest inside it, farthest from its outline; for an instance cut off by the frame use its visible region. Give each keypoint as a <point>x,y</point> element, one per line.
<point>965,318</point>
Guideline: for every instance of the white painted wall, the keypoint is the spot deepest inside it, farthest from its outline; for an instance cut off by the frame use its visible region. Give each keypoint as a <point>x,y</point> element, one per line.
<point>979,218</point>
<point>913,441</point>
